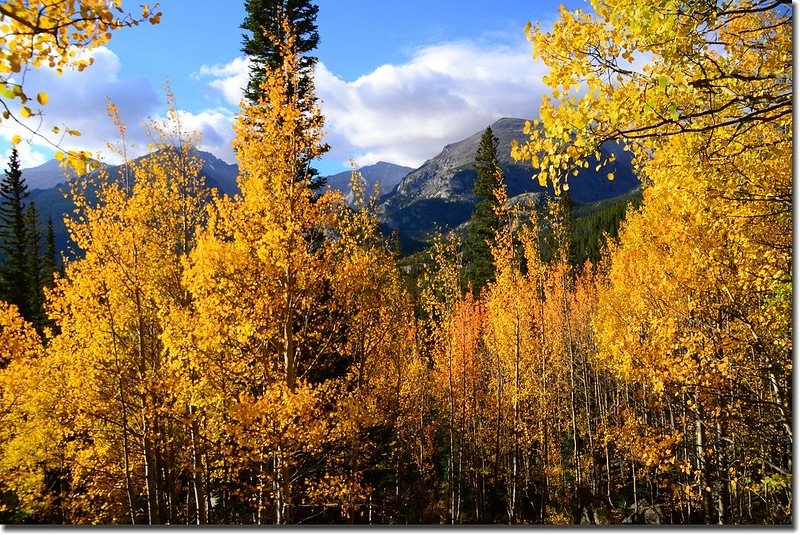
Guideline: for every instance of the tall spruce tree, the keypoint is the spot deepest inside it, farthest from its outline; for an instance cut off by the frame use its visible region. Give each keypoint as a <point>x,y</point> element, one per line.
<point>483,223</point>
<point>34,267</point>
<point>14,237</point>
<point>565,225</point>
<point>50,264</point>
<point>264,19</point>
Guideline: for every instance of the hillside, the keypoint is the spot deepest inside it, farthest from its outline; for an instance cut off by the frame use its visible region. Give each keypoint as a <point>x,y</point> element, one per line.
<point>414,201</point>
<point>48,185</point>
<point>439,193</point>
<point>384,175</point>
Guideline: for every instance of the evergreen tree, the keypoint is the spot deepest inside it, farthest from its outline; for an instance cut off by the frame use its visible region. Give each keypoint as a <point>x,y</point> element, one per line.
<point>484,222</point>
<point>566,223</point>
<point>51,265</point>
<point>33,268</point>
<point>14,236</point>
<point>264,19</point>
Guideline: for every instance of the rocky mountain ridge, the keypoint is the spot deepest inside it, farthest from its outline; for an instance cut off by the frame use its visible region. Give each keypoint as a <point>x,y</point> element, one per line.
<point>439,193</point>
<point>384,175</point>
<point>414,202</point>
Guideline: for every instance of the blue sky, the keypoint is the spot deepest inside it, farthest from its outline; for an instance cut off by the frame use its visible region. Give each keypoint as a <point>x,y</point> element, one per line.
<point>397,80</point>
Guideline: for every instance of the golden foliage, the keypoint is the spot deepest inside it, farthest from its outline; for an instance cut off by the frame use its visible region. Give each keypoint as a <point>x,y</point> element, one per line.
<point>56,34</point>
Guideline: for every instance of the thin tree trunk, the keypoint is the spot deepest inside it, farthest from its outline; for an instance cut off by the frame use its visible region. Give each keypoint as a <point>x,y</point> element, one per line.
<point>149,476</point>
<point>126,456</point>
<point>588,414</point>
<point>635,492</point>
<point>497,434</point>
<point>197,471</point>
<point>544,418</point>
<point>451,456</point>
<point>514,428</point>
<point>702,466</point>
<point>280,495</point>
<point>724,499</point>
<point>124,415</point>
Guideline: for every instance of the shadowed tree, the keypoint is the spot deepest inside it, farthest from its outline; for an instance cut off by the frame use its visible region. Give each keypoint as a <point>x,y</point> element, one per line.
<point>484,222</point>
<point>51,264</point>
<point>34,293</point>
<point>14,235</point>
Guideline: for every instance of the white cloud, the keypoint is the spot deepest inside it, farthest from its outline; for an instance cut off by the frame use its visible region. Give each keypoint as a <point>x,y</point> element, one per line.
<point>229,79</point>
<point>217,128</point>
<point>28,157</point>
<point>402,113</point>
<point>78,100</point>
<point>406,113</point>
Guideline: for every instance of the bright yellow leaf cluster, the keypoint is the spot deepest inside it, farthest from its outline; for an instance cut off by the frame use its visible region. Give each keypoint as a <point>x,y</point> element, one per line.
<point>56,34</point>
<point>641,72</point>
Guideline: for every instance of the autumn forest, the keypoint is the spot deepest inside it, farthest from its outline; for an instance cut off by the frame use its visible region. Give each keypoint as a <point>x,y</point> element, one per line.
<point>271,357</point>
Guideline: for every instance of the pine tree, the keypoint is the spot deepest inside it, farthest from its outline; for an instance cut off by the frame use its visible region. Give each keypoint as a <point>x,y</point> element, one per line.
<point>264,19</point>
<point>563,226</point>
<point>264,22</point>
<point>483,223</point>
<point>13,233</point>
<point>33,267</point>
<point>51,265</point>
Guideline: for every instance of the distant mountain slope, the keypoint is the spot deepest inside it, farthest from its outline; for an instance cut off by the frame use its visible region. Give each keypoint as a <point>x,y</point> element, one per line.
<point>440,191</point>
<point>414,202</point>
<point>45,176</point>
<point>385,175</point>
<point>218,174</point>
<point>47,183</point>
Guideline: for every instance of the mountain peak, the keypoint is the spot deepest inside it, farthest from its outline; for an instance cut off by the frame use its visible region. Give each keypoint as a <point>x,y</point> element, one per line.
<point>508,121</point>
<point>440,191</point>
<point>47,175</point>
<point>386,175</point>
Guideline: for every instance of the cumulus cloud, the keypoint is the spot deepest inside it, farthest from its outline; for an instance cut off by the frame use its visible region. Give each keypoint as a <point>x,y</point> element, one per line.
<point>402,113</point>
<point>78,100</point>
<point>28,156</point>
<point>405,113</point>
<point>229,79</point>
<point>216,125</point>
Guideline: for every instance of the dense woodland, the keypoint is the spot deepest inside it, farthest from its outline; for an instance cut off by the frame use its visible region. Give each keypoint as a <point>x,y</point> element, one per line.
<point>269,359</point>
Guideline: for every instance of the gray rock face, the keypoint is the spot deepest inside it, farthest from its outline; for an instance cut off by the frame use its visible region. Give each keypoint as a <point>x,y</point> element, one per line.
<point>439,193</point>
<point>383,174</point>
<point>45,176</point>
<point>450,175</point>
